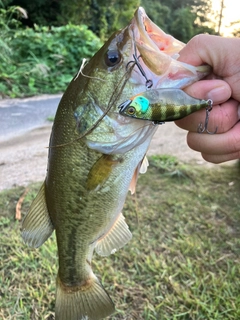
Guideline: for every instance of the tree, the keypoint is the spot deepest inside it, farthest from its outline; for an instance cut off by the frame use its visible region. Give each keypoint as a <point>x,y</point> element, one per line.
<point>102,17</point>
<point>40,12</point>
<point>236,32</point>
<point>181,18</point>
<point>220,16</point>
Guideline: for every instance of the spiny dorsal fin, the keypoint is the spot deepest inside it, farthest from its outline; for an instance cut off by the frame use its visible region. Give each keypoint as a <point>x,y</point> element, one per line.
<point>37,225</point>
<point>118,235</point>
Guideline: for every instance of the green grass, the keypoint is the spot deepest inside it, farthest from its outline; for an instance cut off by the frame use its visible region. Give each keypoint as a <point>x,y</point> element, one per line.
<point>50,118</point>
<point>182,263</point>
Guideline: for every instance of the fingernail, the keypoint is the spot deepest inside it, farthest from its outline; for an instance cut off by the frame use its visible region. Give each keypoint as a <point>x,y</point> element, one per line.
<point>219,94</point>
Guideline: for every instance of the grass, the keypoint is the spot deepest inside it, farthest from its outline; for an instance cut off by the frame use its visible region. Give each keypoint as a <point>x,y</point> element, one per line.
<point>182,263</point>
<point>50,118</point>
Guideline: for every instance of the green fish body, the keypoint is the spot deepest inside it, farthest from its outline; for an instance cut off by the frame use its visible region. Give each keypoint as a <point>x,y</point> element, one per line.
<point>95,155</point>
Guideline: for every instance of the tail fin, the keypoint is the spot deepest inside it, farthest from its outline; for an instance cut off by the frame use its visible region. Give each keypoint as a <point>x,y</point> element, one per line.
<point>88,302</point>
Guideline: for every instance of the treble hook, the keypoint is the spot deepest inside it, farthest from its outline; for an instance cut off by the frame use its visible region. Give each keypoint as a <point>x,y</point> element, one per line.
<point>149,82</point>
<point>202,129</point>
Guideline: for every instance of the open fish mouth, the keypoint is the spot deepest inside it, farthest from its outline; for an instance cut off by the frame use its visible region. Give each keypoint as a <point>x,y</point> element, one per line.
<point>156,48</point>
<point>158,53</point>
<point>152,37</point>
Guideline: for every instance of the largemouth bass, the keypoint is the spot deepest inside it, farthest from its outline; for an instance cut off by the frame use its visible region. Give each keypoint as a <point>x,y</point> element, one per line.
<point>95,155</point>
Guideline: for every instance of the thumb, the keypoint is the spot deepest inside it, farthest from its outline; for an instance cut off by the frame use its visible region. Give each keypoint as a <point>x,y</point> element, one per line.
<point>222,54</point>
<point>207,49</point>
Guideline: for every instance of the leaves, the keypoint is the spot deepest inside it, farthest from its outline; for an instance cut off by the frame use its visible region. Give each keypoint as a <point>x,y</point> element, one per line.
<point>43,60</point>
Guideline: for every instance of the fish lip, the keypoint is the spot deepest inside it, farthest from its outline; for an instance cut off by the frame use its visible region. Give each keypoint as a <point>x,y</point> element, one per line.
<point>153,37</point>
<point>159,54</point>
<point>142,21</point>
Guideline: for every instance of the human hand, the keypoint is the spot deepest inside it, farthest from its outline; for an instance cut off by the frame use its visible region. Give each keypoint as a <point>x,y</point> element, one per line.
<point>223,55</point>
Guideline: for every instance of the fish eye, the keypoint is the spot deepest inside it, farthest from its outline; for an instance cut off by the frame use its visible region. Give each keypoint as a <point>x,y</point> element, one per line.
<point>131,110</point>
<point>112,57</point>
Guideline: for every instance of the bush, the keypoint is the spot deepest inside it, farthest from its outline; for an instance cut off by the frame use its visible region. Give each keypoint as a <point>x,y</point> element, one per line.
<point>42,60</point>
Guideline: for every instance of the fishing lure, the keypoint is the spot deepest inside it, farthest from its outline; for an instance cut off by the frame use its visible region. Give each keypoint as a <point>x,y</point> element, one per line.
<point>160,105</point>
<point>204,128</point>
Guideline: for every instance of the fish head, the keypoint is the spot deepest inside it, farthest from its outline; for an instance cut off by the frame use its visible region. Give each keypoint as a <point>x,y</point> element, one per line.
<point>140,56</point>
<point>158,53</point>
<point>136,58</point>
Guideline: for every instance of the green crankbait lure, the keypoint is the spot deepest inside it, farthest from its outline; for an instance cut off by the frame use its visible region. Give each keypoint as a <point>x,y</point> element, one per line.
<point>160,105</point>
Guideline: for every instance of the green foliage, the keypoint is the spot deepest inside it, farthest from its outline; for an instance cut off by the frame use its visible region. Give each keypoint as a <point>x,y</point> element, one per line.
<point>236,31</point>
<point>102,17</point>
<point>181,18</point>
<point>40,12</point>
<point>44,59</point>
<point>41,60</point>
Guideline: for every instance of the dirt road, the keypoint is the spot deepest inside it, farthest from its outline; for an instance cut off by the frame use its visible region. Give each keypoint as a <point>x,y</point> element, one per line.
<point>23,147</point>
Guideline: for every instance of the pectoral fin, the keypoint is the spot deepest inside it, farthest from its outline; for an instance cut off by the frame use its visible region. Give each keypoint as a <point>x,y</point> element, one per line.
<point>101,171</point>
<point>116,238</point>
<point>37,225</point>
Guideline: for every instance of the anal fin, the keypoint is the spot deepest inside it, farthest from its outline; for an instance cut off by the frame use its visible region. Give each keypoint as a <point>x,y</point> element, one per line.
<point>118,235</point>
<point>37,225</point>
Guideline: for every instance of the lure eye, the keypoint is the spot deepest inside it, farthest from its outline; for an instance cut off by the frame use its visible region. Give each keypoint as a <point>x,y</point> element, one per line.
<point>112,57</point>
<point>131,110</point>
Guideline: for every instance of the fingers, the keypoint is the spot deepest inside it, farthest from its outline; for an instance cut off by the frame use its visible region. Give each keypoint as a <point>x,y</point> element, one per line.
<point>216,90</point>
<point>222,54</point>
<point>223,116</point>
<point>213,50</point>
<point>221,158</point>
<point>219,147</point>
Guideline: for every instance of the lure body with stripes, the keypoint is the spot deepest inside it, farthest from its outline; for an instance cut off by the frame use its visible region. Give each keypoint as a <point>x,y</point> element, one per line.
<point>160,105</point>
<point>95,155</point>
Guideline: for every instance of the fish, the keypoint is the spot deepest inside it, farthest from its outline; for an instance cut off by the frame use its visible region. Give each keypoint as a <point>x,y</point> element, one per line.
<point>95,157</point>
<point>161,105</point>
